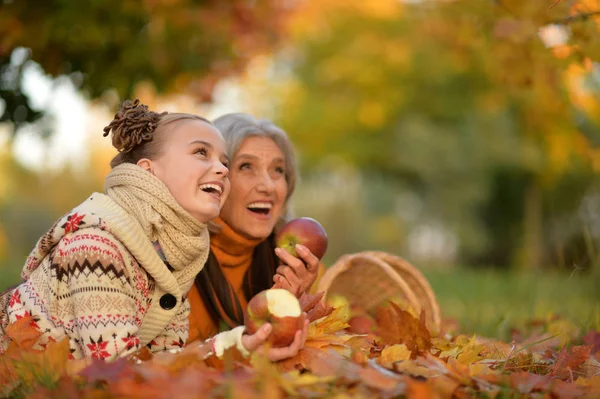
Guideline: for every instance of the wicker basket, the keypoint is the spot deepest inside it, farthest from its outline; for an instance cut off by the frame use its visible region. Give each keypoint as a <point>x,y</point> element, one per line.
<point>371,278</point>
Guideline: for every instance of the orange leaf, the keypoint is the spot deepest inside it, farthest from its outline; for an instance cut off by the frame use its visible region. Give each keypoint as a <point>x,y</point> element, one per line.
<point>23,332</point>
<point>419,390</point>
<point>392,354</point>
<point>397,326</point>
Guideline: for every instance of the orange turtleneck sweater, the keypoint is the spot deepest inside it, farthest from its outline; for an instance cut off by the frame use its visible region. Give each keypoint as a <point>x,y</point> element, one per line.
<point>234,253</point>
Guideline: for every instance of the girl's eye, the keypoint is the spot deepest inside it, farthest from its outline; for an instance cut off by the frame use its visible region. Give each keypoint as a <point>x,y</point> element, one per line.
<point>201,151</point>
<point>226,164</point>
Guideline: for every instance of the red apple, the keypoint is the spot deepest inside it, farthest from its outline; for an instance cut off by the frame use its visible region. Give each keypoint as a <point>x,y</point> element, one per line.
<point>278,307</point>
<point>304,231</point>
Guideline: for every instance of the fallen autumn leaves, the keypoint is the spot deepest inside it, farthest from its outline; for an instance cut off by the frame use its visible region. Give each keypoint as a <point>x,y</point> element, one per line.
<point>400,359</point>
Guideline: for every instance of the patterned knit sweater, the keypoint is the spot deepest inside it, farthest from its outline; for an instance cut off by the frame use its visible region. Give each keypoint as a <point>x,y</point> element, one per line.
<point>96,279</point>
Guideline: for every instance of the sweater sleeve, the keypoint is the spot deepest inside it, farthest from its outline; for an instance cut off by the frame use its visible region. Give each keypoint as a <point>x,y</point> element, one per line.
<point>100,301</point>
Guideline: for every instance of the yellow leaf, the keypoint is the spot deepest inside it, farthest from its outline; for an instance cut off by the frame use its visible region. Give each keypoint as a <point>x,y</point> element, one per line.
<point>471,353</point>
<point>394,353</point>
<point>328,325</point>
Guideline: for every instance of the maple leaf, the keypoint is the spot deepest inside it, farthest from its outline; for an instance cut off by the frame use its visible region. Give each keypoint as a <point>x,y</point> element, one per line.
<point>568,363</point>
<point>592,338</point>
<point>397,326</point>
<point>327,325</point>
<point>23,332</point>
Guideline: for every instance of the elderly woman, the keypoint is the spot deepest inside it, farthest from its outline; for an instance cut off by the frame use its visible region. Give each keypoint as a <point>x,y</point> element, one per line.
<point>243,259</point>
<point>112,275</point>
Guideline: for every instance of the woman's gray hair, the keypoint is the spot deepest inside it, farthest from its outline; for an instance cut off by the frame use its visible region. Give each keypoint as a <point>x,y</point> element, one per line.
<point>237,127</point>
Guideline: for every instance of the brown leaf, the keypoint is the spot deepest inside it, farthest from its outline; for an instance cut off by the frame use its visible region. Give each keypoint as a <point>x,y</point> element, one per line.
<point>308,301</point>
<point>568,362</point>
<point>397,326</point>
<point>314,307</point>
<point>525,382</point>
<point>592,338</point>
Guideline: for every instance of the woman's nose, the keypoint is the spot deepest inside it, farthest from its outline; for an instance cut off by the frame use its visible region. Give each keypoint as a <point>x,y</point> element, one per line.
<point>221,169</point>
<point>266,184</point>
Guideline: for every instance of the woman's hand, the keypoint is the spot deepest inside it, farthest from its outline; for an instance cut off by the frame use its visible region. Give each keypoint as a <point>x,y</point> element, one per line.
<point>256,342</point>
<point>296,275</point>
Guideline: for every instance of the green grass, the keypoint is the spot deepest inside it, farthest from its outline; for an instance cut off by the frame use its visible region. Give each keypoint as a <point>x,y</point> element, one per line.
<point>491,303</point>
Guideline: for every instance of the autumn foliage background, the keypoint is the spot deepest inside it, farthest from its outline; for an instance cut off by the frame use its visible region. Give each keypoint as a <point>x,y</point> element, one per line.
<point>462,135</point>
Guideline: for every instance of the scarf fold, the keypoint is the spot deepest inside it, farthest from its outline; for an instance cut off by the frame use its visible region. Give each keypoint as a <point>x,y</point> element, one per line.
<point>184,240</point>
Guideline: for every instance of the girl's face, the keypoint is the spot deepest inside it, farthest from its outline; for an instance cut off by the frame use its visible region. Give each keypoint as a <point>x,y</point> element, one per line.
<point>193,166</point>
<point>258,188</point>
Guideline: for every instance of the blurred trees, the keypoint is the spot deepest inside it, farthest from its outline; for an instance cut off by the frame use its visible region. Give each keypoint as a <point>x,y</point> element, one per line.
<point>459,131</point>
<point>177,45</point>
<point>470,108</point>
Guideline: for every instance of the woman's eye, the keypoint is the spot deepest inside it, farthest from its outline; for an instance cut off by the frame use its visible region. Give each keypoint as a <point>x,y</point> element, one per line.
<point>244,166</point>
<point>280,170</point>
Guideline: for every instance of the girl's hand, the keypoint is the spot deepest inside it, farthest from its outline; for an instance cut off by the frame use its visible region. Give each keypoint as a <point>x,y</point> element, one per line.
<point>296,275</point>
<point>257,341</point>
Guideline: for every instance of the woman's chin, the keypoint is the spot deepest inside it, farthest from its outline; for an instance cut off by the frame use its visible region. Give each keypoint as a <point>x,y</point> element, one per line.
<point>258,232</point>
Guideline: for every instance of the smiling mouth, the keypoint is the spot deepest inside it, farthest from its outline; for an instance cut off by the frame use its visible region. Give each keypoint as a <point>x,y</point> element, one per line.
<point>260,208</point>
<point>213,189</point>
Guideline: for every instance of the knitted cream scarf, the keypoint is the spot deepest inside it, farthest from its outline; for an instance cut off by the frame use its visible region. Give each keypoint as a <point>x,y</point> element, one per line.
<point>184,240</point>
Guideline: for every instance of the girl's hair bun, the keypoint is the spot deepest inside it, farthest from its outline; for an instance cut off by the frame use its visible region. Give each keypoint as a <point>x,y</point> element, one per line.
<point>133,125</point>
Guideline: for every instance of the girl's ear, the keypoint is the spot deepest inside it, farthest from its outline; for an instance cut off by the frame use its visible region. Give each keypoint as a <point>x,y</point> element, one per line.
<point>146,164</point>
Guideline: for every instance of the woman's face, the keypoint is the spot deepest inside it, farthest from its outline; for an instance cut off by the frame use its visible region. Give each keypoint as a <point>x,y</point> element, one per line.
<point>193,165</point>
<point>258,188</point>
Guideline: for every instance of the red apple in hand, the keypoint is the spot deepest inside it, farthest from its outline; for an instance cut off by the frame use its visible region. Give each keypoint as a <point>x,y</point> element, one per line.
<point>304,231</point>
<point>278,307</point>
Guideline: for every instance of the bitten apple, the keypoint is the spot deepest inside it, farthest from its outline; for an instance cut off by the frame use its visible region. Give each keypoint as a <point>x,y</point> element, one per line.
<point>278,307</point>
<point>304,231</point>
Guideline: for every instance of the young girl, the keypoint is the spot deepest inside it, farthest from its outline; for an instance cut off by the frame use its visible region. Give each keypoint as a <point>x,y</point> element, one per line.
<point>113,274</point>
